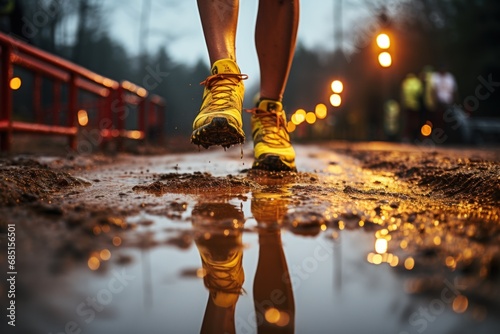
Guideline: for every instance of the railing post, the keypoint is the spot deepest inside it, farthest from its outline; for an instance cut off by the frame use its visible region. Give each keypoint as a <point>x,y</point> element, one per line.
<point>72,109</point>
<point>160,109</point>
<point>7,71</point>
<point>142,118</point>
<point>37,97</point>
<point>120,116</point>
<point>56,102</point>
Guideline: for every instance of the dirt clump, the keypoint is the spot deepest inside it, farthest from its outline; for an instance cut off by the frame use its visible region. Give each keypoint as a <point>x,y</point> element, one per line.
<point>196,183</point>
<point>25,180</point>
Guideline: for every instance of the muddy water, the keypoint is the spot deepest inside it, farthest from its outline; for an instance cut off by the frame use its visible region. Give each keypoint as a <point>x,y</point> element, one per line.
<point>175,245</point>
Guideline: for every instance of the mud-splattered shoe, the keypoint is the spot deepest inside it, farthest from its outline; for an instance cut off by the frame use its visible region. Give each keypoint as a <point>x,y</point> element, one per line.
<point>272,148</point>
<point>219,120</point>
<point>218,228</point>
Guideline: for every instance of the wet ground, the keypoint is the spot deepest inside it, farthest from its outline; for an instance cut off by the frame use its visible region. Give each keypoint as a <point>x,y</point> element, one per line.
<point>372,238</point>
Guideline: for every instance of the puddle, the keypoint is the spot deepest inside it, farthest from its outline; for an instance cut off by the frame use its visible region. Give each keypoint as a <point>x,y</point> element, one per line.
<point>339,248</point>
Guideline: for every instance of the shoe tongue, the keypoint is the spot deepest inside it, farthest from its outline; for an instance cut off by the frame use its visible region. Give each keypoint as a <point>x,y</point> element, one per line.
<point>270,105</point>
<point>225,66</point>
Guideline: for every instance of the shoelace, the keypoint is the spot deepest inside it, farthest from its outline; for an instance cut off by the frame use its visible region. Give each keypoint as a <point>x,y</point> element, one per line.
<point>212,280</point>
<point>220,86</point>
<point>269,119</point>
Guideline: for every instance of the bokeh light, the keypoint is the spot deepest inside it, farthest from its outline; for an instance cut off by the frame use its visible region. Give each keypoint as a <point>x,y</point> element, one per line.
<point>321,111</point>
<point>337,86</point>
<point>385,59</point>
<point>83,117</point>
<point>15,83</point>
<point>335,100</point>
<point>383,41</point>
<point>310,117</point>
<point>426,130</point>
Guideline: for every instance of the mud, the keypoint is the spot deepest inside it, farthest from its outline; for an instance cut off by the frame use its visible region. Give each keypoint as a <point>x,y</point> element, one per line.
<point>446,175</point>
<point>197,182</point>
<point>25,180</point>
<point>436,213</point>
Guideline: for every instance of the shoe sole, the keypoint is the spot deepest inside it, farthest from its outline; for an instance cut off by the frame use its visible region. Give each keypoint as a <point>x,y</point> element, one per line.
<point>272,163</point>
<point>217,133</point>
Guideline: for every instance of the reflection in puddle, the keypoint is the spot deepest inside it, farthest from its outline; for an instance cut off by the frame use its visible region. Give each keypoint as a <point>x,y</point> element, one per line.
<point>218,230</point>
<point>342,250</point>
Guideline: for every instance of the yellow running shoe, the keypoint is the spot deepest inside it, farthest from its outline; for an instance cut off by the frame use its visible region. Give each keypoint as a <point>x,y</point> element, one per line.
<point>218,228</point>
<point>269,208</point>
<point>272,148</point>
<point>219,121</point>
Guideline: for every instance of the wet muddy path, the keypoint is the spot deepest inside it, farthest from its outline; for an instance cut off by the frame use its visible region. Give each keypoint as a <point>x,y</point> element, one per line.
<point>365,238</point>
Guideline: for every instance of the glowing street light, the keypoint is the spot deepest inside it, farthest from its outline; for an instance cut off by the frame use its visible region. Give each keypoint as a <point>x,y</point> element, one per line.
<point>385,59</point>
<point>383,41</point>
<point>335,100</point>
<point>337,88</point>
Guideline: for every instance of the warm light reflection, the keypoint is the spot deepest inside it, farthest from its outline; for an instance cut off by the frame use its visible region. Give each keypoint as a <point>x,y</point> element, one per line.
<point>383,41</point>
<point>426,130</point>
<point>142,92</point>
<point>437,240</point>
<point>321,111</point>
<point>15,83</point>
<point>83,117</point>
<point>290,127</point>
<point>272,315</point>
<point>126,84</point>
<point>105,255</point>
<point>460,304</point>
<point>409,263</point>
<point>201,272</point>
<point>450,261</point>
<point>394,261</point>
<point>381,246</point>
<point>335,100</point>
<point>93,263</point>
<point>135,134</point>
<point>385,59</point>
<point>310,117</point>
<point>117,241</point>
<point>107,82</point>
<point>96,230</point>
<point>283,320</point>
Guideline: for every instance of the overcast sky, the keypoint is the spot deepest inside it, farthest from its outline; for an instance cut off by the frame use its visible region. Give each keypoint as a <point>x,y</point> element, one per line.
<point>176,25</point>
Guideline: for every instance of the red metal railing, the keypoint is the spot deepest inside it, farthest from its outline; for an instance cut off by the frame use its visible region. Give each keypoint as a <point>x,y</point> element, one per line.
<point>113,96</point>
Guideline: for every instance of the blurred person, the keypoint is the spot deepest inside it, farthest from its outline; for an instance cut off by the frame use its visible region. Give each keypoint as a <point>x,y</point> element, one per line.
<point>445,94</point>
<point>219,121</point>
<point>392,120</point>
<point>427,98</point>
<point>411,100</point>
